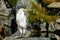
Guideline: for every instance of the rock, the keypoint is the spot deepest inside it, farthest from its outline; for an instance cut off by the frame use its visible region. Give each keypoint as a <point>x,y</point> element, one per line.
<point>29,38</point>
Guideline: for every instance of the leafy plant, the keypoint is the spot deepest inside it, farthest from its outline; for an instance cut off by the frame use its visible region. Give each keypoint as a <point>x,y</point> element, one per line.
<point>12,2</point>
<point>40,13</point>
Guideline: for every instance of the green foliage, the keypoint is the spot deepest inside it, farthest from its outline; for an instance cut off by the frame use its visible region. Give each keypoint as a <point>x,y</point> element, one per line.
<point>39,13</point>
<point>12,2</point>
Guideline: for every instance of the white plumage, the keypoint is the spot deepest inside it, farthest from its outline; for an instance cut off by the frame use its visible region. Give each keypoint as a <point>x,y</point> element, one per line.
<point>21,20</point>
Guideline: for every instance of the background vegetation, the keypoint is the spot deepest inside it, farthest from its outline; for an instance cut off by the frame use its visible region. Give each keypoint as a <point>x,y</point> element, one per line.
<point>39,13</point>
<point>12,2</point>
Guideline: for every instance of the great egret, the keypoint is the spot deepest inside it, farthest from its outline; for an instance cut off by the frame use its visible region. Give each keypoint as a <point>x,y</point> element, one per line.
<point>21,20</point>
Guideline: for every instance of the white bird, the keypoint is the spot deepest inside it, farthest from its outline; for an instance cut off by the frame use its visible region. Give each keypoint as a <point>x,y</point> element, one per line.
<point>21,21</point>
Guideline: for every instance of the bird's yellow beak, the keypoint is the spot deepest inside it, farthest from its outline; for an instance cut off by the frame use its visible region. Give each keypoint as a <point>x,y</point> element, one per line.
<point>27,9</point>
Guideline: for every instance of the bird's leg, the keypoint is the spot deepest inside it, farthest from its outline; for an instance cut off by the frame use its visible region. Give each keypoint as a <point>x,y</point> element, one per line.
<point>22,31</point>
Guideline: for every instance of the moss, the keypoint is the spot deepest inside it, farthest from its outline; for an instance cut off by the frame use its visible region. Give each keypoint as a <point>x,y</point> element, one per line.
<point>12,2</point>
